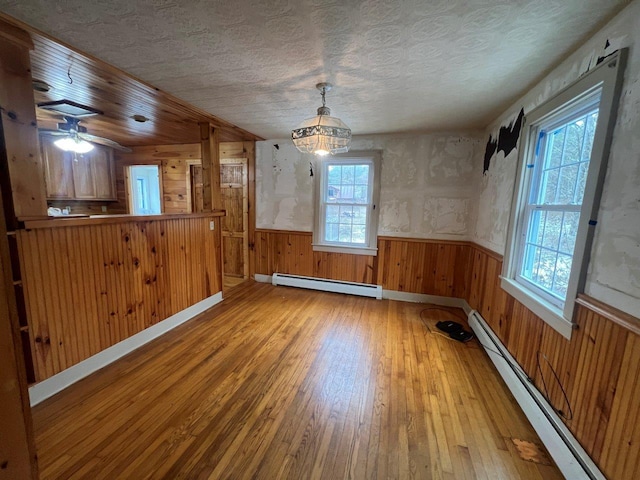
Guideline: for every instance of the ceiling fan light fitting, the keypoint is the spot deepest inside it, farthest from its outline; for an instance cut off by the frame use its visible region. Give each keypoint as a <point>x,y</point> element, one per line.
<point>75,145</point>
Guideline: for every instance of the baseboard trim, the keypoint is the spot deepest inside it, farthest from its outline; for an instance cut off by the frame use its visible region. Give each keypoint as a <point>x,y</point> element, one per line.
<point>572,460</point>
<point>425,298</point>
<point>259,277</point>
<point>55,384</point>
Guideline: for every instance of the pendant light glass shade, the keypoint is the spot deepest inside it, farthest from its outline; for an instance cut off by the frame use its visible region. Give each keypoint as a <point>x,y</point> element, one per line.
<point>322,134</point>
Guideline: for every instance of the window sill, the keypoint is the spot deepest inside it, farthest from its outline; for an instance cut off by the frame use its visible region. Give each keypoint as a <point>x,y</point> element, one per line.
<point>318,247</point>
<point>549,313</point>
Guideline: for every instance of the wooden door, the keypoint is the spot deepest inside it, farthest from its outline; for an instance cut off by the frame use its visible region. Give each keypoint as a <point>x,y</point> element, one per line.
<point>197,204</point>
<point>235,226</point>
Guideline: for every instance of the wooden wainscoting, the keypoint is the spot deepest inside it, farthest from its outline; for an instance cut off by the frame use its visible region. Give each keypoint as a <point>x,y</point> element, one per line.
<point>89,287</point>
<point>291,252</point>
<point>434,267</point>
<point>403,264</point>
<point>599,368</point>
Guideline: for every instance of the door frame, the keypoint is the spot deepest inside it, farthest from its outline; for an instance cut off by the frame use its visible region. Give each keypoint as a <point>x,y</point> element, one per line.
<point>189,163</point>
<point>128,186</point>
<point>244,161</point>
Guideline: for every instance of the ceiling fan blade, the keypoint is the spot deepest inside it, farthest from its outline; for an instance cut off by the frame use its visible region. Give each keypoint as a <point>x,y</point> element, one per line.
<point>56,133</point>
<point>103,141</point>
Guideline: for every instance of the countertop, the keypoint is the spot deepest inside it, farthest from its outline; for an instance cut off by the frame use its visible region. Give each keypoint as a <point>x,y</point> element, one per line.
<point>84,220</point>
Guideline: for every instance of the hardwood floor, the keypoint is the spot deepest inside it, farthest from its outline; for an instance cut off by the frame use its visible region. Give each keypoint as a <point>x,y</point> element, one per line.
<point>231,282</point>
<point>278,382</point>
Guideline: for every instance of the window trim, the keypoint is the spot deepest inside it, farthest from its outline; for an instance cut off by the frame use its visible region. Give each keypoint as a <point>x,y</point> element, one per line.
<point>371,247</point>
<point>608,76</point>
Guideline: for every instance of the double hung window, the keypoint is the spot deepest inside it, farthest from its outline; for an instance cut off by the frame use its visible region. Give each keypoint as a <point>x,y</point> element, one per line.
<point>346,203</point>
<point>561,166</point>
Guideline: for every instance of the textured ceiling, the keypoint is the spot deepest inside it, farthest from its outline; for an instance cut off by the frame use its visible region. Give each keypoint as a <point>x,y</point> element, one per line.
<point>397,65</point>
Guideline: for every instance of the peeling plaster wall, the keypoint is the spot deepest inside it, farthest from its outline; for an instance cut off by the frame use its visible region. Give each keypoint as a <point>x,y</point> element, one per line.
<point>614,270</point>
<point>426,184</point>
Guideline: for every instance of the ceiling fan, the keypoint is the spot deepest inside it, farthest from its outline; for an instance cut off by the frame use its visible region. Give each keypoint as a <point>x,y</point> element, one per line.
<point>76,139</point>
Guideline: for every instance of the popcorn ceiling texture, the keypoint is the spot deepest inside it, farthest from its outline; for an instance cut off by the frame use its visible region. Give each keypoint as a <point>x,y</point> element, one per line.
<point>614,270</point>
<point>398,65</point>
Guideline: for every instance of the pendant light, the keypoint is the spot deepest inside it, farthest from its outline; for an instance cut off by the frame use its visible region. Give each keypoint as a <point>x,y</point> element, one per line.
<point>322,134</point>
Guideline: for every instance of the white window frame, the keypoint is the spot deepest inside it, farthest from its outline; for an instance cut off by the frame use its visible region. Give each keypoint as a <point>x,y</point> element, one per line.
<point>606,78</point>
<point>374,158</point>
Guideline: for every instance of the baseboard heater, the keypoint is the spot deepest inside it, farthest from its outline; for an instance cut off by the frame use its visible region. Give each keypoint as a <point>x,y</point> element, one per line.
<point>572,460</point>
<point>336,286</point>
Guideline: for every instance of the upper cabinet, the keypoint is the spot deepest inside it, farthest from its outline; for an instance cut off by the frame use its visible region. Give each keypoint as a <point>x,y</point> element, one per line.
<point>69,176</point>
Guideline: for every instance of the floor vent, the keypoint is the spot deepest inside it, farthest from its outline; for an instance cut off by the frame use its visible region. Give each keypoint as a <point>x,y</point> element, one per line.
<point>336,286</point>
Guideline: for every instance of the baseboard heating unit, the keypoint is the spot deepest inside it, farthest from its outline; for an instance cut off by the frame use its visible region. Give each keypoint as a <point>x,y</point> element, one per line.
<point>571,458</point>
<point>336,286</point>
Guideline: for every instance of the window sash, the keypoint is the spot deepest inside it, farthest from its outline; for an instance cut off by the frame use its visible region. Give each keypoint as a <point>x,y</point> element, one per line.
<point>534,191</point>
<point>325,202</point>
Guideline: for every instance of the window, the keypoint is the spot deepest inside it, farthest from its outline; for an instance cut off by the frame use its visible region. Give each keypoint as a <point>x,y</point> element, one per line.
<point>346,203</point>
<point>554,213</point>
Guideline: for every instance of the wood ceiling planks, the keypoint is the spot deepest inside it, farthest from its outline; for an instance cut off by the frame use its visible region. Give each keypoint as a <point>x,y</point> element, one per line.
<point>87,80</point>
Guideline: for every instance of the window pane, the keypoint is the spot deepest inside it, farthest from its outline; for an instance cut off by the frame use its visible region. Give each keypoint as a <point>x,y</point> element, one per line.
<point>556,140</point>
<point>331,232</point>
<point>359,215</point>
<point>569,231</point>
<point>574,139</point>
<point>346,194</point>
<point>334,174</point>
<point>359,232</point>
<point>344,233</point>
<point>362,175</point>
<point>549,186</point>
<point>592,120</point>
<point>348,174</point>
<point>562,273</point>
<point>566,188</point>
<point>333,214</point>
<point>582,182</point>
<point>551,228</point>
<point>360,194</point>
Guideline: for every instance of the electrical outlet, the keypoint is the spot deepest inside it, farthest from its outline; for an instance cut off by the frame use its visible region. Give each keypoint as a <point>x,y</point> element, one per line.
<point>104,209</point>
<point>212,225</point>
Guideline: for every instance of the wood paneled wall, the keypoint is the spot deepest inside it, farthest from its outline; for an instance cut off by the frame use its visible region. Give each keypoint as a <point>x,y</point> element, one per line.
<point>174,161</point>
<point>88,287</point>
<point>424,266</point>
<point>291,252</point>
<point>402,264</point>
<point>599,368</point>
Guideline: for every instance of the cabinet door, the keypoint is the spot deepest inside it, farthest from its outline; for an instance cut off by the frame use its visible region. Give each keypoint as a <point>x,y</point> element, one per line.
<point>58,170</point>
<point>83,182</point>
<point>103,173</point>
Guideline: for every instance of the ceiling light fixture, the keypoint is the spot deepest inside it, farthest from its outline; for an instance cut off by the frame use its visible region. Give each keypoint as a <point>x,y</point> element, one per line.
<point>322,134</point>
<point>73,144</point>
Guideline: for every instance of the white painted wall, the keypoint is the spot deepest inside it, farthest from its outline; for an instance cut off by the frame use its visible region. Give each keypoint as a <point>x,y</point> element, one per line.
<point>426,185</point>
<point>614,271</point>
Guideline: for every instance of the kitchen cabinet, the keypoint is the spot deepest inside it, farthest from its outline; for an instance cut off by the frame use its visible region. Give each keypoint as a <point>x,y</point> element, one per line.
<point>58,170</point>
<point>69,176</point>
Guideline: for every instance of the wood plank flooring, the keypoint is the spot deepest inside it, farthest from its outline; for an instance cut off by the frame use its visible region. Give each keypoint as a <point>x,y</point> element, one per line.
<point>277,382</point>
